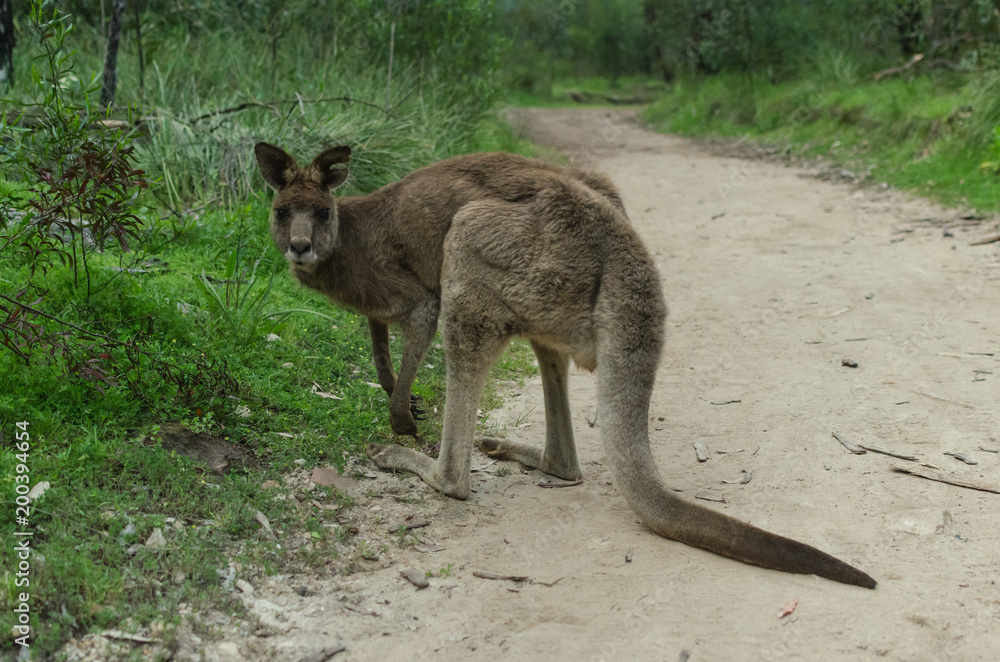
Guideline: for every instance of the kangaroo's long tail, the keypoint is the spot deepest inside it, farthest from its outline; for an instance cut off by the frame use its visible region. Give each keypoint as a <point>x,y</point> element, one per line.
<point>630,315</point>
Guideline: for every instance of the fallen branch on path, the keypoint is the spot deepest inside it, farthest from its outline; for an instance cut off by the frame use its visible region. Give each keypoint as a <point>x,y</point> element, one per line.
<point>514,578</point>
<point>876,449</point>
<point>544,483</point>
<point>942,478</point>
<point>857,450</point>
<point>489,575</point>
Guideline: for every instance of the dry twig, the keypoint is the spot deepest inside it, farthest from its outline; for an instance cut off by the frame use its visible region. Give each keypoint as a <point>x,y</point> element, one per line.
<point>930,474</point>
<point>857,450</point>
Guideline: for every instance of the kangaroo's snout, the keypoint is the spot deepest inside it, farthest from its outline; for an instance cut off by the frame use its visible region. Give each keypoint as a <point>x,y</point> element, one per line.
<point>299,246</point>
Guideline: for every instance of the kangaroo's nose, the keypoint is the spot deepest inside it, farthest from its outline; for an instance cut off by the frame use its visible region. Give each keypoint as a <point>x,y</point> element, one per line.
<point>300,245</point>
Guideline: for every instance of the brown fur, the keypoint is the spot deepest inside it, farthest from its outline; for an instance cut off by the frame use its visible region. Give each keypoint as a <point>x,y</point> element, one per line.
<point>504,246</point>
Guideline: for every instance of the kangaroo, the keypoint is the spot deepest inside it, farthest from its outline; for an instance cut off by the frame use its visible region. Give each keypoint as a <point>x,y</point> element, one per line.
<point>381,253</point>
<point>503,246</point>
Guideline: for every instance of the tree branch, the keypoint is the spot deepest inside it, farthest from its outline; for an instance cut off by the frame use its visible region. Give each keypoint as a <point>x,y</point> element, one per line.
<point>271,105</point>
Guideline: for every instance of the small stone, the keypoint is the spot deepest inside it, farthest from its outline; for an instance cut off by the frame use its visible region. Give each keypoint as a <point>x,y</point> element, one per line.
<point>229,651</point>
<point>416,578</point>
<point>244,586</point>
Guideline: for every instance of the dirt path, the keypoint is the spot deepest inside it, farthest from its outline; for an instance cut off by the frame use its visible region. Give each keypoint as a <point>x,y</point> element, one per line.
<point>772,278</point>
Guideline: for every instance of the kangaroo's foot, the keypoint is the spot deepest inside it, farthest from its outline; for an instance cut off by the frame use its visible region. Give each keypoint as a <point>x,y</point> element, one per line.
<point>400,458</point>
<point>501,449</point>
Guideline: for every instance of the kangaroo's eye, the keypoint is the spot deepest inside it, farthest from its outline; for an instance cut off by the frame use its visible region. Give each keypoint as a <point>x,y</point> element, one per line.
<point>322,215</point>
<point>281,214</point>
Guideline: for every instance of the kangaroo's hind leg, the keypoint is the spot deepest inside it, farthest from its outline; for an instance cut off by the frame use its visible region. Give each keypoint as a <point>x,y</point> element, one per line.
<point>469,355</point>
<point>559,456</point>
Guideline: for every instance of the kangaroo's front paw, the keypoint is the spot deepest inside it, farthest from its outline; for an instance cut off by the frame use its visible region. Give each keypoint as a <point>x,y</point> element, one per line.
<point>403,424</point>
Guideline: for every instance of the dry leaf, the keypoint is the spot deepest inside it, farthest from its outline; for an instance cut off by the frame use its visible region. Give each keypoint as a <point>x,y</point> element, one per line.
<point>316,389</point>
<point>788,608</point>
<point>38,490</point>
<point>156,540</point>
<point>262,519</point>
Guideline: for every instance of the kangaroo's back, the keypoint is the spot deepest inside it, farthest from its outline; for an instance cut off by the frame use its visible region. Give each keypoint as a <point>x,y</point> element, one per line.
<point>414,215</point>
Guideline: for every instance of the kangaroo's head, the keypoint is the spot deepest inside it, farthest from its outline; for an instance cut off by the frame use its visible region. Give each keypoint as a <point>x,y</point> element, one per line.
<point>303,214</point>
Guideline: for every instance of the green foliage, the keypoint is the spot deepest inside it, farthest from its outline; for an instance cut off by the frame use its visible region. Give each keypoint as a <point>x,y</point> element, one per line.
<point>214,78</point>
<point>994,166</point>
<point>777,40</point>
<point>924,133</point>
<point>78,174</point>
<point>556,39</point>
<point>238,303</point>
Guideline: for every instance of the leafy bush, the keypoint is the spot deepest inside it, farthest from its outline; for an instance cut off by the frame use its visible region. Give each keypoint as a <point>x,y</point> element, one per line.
<point>77,171</point>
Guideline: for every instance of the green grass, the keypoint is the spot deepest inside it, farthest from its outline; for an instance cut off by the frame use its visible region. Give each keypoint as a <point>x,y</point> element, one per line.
<point>928,133</point>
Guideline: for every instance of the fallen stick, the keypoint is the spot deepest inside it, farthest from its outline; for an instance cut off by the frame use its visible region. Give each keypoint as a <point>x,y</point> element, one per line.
<point>409,526</point>
<point>324,654</point>
<point>876,449</point>
<point>127,636</point>
<point>490,575</point>
<point>941,478</point>
<point>961,456</point>
<point>569,484</point>
<point>989,450</point>
<point>358,611</point>
<point>991,240</point>
<point>848,445</point>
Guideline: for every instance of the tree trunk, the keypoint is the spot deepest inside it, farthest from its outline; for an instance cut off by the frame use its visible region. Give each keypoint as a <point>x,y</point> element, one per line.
<point>138,41</point>
<point>111,58</point>
<point>7,43</point>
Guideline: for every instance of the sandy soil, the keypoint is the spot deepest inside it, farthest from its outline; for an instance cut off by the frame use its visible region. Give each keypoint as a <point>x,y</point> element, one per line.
<point>773,277</point>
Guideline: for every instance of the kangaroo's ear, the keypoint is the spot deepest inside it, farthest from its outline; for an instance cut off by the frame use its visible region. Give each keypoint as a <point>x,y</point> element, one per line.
<point>277,167</point>
<point>322,170</point>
